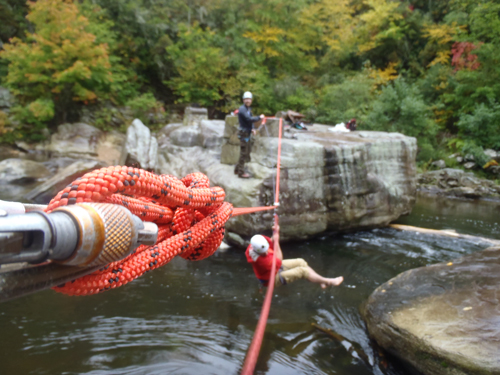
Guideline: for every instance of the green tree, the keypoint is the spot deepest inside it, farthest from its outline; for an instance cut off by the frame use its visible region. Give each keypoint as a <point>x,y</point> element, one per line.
<point>58,66</point>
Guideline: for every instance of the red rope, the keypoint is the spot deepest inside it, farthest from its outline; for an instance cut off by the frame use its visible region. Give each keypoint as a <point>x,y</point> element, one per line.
<point>254,349</point>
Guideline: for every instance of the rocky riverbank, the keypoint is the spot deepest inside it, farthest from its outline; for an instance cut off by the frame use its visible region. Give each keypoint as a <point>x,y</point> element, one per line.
<point>329,181</point>
<point>456,183</point>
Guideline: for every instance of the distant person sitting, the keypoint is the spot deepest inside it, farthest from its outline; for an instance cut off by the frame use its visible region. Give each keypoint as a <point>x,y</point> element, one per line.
<point>245,132</point>
<point>260,255</point>
<point>351,125</point>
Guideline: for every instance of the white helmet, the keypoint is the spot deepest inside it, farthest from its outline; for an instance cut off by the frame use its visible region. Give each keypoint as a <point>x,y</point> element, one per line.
<point>247,95</point>
<point>259,244</point>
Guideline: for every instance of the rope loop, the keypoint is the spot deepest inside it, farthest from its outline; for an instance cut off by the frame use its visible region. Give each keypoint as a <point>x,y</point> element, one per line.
<point>189,213</point>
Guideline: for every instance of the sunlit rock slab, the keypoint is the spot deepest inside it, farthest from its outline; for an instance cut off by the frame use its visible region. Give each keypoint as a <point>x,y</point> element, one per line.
<point>442,319</point>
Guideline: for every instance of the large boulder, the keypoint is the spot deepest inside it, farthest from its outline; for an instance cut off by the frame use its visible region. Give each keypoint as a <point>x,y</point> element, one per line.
<point>141,146</point>
<point>441,319</point>
<point>336,182</point>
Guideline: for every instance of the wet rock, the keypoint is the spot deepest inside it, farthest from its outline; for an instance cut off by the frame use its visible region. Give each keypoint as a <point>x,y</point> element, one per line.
<point>142,148</point>
<point>441,319</point>
<point>460,159</point>
<point>439,164</point>
<point>20,171</point>
<point>193,116</point>
<point>43,193</point>
<point>469,165</point>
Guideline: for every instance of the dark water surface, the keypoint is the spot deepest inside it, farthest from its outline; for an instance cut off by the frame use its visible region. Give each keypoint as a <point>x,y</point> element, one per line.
<point>198,317</point>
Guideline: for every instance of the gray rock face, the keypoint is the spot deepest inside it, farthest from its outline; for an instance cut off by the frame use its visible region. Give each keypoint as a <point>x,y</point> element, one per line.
<point>141,146</point>
<point>442,319</point>
<point>328,181</point>
<point>43,193</point>
<point>458,184</point>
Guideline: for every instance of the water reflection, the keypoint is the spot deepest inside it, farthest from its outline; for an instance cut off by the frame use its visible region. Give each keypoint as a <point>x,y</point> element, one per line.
<point>199,317</point>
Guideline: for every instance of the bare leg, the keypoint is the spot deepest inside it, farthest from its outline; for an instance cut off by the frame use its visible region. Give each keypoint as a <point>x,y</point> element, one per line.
<point>323,281</point>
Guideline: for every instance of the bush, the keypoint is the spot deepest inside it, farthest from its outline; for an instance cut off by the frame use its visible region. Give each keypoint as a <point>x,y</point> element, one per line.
<point>343,101</point>
<point>400,107</point>
<point>146,108</point>
<point>477,151</point>
<point>482,126</point>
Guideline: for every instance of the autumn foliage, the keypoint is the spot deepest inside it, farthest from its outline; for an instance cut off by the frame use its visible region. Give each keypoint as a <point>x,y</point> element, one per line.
<point>57,65</point>
<point>424,68</point>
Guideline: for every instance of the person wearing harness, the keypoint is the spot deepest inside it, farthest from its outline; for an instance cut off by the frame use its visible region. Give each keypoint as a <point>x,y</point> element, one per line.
<point>245,132</point>
<point>260,255</point>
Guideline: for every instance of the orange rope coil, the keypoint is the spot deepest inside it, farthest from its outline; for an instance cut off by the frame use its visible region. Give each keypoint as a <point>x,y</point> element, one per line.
<point>189,213</point>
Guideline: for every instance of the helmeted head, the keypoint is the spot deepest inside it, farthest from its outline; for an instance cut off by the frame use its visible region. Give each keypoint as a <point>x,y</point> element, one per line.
<point>259,244</point>
<point>247,98</point>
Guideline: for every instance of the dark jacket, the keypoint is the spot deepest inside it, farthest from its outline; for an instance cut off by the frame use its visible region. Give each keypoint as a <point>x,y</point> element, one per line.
<point>246,119</point>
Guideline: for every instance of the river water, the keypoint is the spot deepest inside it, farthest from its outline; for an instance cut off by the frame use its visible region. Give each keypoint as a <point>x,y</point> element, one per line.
<point>198,317</point>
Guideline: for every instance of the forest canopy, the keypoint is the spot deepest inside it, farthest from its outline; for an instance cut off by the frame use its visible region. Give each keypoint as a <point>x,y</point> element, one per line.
<point>428,69</point>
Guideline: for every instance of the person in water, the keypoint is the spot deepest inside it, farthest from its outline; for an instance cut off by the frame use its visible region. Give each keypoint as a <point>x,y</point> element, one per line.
<point>260,255</point>
<point>245,132</point>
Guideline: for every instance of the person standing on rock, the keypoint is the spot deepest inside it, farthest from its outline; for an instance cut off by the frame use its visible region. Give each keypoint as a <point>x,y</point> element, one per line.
<point>245,132</point>
<point>260,255</point>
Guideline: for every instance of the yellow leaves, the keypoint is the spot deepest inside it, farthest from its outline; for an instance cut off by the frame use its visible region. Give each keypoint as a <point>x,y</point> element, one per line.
<point>4,121</point>
<point>381,10</point>
<point>440,33</point>
<point>383,76</point>
<point>332,20</point>
<point>378,23</point>
<point>442,57</point>
<point>441,36</point>
<point>491,163</point>
<point>266,39</point>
